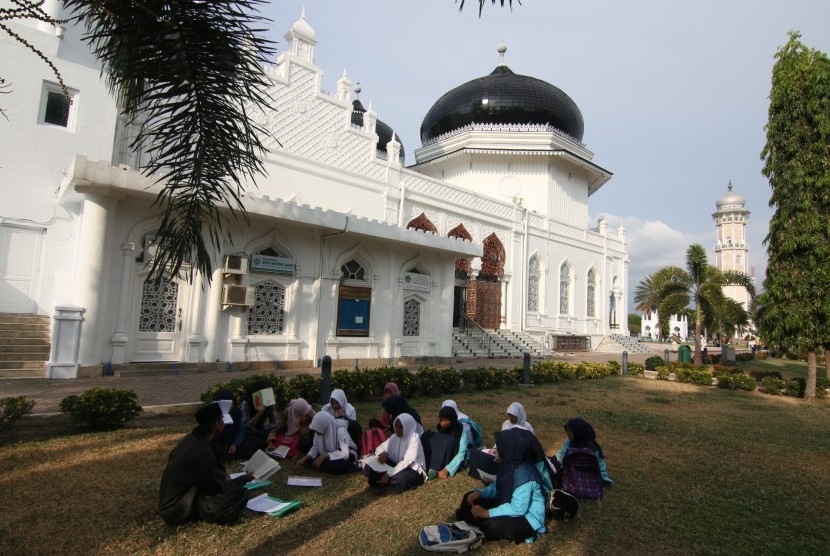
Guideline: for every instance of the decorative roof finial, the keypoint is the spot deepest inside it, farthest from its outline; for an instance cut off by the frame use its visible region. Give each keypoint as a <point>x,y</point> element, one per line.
<point>730,184</point>
<point>357,89</point>
<point>302,15</point>
<point>501,48</point>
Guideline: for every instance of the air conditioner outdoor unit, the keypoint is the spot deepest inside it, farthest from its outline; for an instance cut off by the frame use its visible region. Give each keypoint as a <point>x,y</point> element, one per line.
<point>238,295</point>
<point>236,264</point>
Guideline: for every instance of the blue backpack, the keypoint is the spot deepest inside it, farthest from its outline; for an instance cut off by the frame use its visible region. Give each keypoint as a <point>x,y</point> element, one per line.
<point>475,432</point>
<point>455,537</point>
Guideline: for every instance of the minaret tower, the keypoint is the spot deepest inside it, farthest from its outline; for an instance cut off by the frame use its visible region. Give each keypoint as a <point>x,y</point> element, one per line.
<point>731,251</point>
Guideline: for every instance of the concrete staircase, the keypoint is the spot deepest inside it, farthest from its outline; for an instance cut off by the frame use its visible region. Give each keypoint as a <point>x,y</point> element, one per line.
<point>618,343</point>
<point>522,342</point>
<point>25,343</point>
<point>503,343</point>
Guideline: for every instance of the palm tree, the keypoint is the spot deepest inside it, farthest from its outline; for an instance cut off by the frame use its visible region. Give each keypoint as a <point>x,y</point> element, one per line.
<point>192,71</point>
<point>671,289</point>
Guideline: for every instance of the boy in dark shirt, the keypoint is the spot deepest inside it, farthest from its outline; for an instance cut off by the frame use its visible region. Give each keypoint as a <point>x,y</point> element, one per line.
<point>194,484</point>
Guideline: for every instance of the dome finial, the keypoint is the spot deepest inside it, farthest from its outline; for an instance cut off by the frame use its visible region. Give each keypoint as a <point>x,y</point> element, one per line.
<point>730,184</point>
<point>302,14</point>
<point>357,89</point>
<point>501,48</point>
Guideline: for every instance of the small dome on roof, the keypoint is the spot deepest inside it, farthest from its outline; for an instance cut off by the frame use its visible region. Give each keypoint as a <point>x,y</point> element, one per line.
<point>731,199</point>
<point>302,27</point>
<point>382,129</point>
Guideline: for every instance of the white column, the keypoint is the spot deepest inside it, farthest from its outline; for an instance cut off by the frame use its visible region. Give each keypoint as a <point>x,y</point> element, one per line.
<point>91,268</point>
<point>120,338</point>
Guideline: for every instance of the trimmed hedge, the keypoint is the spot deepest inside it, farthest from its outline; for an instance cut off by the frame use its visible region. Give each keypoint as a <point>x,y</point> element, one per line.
<point>102,408</point>
<point>701,377</point>
<point>13,409</point>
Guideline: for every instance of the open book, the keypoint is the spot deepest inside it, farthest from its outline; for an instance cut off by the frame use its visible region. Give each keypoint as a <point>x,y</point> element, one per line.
<point>372,461</point>
<point>261,466</point>
<point>264,398</point>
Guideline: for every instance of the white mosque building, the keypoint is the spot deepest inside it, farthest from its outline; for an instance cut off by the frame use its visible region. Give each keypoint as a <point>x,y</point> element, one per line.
<point>348,253</point>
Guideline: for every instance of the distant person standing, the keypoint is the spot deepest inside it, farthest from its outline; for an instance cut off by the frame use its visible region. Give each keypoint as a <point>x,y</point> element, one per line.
<point>194,484</point>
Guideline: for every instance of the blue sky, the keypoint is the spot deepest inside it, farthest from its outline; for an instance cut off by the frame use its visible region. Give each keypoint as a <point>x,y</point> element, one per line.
<point>674,93</point>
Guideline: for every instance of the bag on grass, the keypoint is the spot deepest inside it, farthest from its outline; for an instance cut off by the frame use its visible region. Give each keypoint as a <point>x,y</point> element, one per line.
<point>564,506</point>
<point>581,474</point>
<point>455,537</point>
<point>372,438</point>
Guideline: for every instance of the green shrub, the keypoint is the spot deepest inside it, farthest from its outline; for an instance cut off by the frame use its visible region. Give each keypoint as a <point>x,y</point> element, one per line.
<point>304,386</point>
<point>743,357</point>
<point>653,362</point>
<point>102,408</point>
<point>615,365</point>
<point>483,378</point>
<point>822,384</point>
<point>507,377</point>
<point>726,381</point>
<point>745,382</point>
<point>796,387</point>
<point>760,355</point>
<point>773,385</point>
<point>662,372</point>
<point>761,375</point>
<point>701,377</point>
<point>238,386</point>
<point>12,409</point>
<point>636,369</point>
<point>594,370</point>
<point>544,372</point>
<point>434,382</point>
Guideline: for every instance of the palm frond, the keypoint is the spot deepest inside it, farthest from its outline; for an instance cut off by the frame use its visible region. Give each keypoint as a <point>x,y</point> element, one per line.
<point>481,4</point>
<point>190,68</point>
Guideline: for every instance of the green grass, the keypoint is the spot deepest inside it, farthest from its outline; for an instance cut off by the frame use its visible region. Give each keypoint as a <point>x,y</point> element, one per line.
<point>697,471</point>
<point>788,368</point>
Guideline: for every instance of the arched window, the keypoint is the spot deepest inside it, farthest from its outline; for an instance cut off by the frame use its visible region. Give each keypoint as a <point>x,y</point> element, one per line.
<point>267,316</point>
<point>533,274</point>
<point>564,289</point>
<point>354,300</point>
<point>412,318</point>
<point>591,305</point>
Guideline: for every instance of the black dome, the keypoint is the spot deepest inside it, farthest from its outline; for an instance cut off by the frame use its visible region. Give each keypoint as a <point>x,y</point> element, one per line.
<point>384,131</point>
<point>511,99</point>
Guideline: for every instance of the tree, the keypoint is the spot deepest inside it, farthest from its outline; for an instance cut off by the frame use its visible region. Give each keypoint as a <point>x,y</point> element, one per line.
<point>671,289</point>
<point>635,323</point>
<point>794,310</point>
<point>192,71</point>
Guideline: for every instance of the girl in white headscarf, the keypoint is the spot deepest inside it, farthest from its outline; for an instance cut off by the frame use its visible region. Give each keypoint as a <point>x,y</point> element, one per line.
<point>404,454</point>
<point>516,417</point>
<point>339,407</point>
<point>332,450</point>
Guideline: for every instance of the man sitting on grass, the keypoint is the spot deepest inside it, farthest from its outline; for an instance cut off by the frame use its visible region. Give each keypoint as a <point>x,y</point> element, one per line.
<point>194,484</point>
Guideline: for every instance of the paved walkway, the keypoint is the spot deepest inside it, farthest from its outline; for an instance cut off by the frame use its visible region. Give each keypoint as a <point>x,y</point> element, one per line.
<point>173,389</point>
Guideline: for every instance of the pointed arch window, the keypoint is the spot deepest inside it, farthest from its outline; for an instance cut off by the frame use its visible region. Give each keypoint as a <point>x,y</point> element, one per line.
<point>591,303</point>
<point>354,300</point>
<point>564,289</point>
<point>533,276</point>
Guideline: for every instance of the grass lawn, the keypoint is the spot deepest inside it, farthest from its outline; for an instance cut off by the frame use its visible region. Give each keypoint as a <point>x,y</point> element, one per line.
<point>788,368</point>
<point>697,471</point>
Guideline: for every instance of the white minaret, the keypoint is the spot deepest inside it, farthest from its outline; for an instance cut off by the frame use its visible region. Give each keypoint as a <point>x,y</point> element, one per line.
<point>731,251</point>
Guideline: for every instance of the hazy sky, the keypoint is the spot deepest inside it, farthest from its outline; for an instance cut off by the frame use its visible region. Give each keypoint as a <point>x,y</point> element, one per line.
<point>674,93</point>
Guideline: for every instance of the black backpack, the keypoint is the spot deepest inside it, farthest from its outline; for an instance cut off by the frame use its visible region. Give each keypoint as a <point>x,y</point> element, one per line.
<point>564,506</point>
